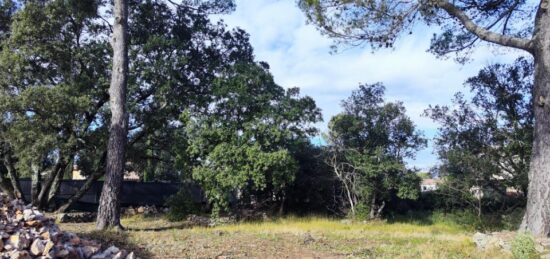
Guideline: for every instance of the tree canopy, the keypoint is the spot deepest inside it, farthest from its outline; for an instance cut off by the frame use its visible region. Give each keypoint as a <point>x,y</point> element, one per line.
<point>463,24</point>
<point>368,143</point>
<point>242,144</point>
<point>523,25</point>
<point>486,142</point>
<point>195,93</point>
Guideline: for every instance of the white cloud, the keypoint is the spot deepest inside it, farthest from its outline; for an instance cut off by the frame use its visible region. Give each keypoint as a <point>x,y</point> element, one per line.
<point>299,56</point>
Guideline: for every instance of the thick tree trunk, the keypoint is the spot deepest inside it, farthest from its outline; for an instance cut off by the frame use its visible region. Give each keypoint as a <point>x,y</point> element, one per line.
<point>108,215</point>
<point>537,216</point>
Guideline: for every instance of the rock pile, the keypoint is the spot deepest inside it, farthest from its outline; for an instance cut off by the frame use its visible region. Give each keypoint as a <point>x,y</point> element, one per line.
<point>503,240</point>
<point>26,233</point>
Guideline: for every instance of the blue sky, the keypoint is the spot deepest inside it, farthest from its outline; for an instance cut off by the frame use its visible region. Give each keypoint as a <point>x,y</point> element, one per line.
<point>299,57</point>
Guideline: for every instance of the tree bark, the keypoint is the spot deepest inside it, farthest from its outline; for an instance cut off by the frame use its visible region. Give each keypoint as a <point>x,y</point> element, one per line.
<point>483,33</point>
<point>108,215</point>
<point>54,188</point>
<point>6,188</point>
<point>46,186</point>
<point>12,173</point>
<point>35,184</point>
<point>100,171</point>
<point>537,215</point>
<point>372,213</point>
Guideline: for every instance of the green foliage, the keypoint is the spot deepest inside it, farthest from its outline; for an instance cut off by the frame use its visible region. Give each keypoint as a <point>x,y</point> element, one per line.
<point>367,147</point>
<point>51,98</point>
<point>465,219</point>
<point>55,66</point>
<point>523,247</point>
<point>233,170</point>
<point>362,211</point>
<point>175,64</point>
<point>424,175</point>
<point>486,142</point>
<point>180,205</point>
<point>240,147</point>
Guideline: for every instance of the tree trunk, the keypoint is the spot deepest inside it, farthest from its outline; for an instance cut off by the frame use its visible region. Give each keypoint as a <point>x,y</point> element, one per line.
<point>87,185</point>
<point>537,216</point>
<point>5,187</point>
<point>100,171</point>
<point>12,173</point>
<point>282,205</point>
<point>54,188</point>
<point>108,215</point>
<point>35,184</point>
<point>372,213</point>
<point>350,199</point>
<point>59,168</point>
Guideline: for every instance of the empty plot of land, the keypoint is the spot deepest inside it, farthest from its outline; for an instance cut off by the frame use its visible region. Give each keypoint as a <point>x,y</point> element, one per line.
<point>291,238</point>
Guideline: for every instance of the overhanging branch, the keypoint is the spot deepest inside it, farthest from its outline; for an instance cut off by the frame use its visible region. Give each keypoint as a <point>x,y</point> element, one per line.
<point>482,33</point>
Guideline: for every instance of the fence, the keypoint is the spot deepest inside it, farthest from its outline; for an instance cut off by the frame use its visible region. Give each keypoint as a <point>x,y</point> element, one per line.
<point>132,193</point>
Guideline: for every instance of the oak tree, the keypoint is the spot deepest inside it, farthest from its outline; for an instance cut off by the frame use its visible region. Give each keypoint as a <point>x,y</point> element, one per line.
<point>367,147</point>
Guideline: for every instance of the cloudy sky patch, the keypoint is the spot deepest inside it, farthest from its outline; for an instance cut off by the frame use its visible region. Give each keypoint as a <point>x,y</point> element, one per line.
<point>299,56</point>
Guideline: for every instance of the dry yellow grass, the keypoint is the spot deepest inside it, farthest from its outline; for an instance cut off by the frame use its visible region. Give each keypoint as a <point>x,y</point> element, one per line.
<point>292,238</point>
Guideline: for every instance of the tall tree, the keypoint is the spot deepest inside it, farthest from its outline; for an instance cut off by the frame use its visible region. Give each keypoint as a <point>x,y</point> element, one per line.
<point>241,143</point>
<point>518,24</point>
<point>51,98</point>
<point>54,102</point>
<point>108,215</point>
<point>368,143</point>
<point>486,141</point>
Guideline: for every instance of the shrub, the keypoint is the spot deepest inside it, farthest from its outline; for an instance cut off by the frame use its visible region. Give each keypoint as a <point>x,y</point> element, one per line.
<point>180,205</point>
<point>362,211</point>
<point>512,220</point>
<point>523,247</point>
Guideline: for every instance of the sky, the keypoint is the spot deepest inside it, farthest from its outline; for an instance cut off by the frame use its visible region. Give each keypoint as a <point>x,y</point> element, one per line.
<point>299,56</point>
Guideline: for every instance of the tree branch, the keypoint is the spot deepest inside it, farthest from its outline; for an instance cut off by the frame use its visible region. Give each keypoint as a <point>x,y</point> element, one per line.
<point>483,33</point>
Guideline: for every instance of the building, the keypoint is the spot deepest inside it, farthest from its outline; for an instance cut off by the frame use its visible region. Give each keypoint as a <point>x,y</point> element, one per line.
<point>428,185</point>
<point>77,174</point>
<point>130,176</point>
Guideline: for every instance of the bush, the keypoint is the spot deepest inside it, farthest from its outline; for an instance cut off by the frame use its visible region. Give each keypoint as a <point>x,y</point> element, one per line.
<point>180,205</point>
<point>523,247</point>
<point>362,212</point>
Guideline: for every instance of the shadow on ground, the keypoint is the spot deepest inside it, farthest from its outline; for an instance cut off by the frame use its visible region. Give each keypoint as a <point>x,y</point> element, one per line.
<point>118,239</point>
<point>183,225</point>
<point>421,218</point>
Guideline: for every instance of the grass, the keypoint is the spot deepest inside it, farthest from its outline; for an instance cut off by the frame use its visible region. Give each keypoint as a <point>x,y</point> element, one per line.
<point>294,237</point>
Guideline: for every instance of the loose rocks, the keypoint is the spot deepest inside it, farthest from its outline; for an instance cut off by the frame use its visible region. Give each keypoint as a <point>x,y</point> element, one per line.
<point>26,233</point>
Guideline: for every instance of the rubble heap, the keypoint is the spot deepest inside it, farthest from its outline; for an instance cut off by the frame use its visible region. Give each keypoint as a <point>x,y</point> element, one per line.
<point>26,233</point>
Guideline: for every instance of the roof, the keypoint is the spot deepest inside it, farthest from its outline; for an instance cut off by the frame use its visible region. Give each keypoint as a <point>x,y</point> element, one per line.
<point>431,181</point>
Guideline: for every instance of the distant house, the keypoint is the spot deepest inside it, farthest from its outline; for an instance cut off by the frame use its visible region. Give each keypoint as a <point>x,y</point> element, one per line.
<point>428,185</point>
<point>77,174</point>
<point>130,176</point>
